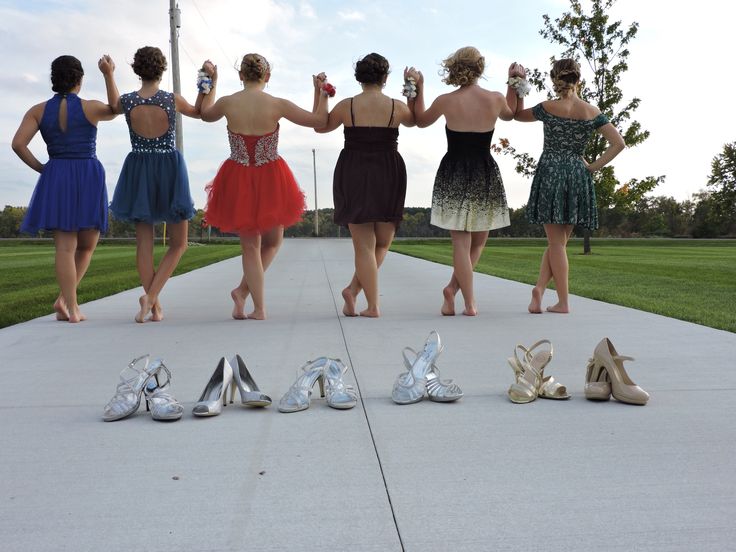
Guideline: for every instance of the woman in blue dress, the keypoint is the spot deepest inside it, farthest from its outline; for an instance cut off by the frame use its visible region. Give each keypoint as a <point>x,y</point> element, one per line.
<point>563,192</point>
<point>70,198</point>
<point>153,186</point>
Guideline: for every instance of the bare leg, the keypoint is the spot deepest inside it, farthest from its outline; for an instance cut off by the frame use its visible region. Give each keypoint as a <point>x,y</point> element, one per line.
<point>178,236</point>
<point>86,243</point>
<point>477,244</point>
<point>557,236</point>
<point>366,268</point>
<point>253,273</point>
<point>385,232</point>
<point>270,244</point>
<point>463,268</point>
<point>66,272</point>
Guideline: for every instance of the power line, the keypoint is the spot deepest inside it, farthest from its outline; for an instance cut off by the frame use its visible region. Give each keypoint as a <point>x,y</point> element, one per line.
<point>214,35</point>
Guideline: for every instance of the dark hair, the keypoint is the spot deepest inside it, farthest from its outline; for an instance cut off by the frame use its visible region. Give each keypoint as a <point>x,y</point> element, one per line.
<point>565,75</point>
<point>254,67</point>
<point>149,63</point>
<point>372,69</point>
<point>66,73</point>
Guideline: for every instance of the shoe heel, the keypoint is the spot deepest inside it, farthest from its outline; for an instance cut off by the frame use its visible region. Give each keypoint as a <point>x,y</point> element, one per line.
<point>232,392</point>
<point>321,380</point>
<point>597,381</point>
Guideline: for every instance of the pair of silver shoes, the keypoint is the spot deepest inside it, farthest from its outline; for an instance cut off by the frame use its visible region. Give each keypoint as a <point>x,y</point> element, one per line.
<point>329,373</point>
<point>144,378</point>
<point>423,376</point>
<point>233,374</point>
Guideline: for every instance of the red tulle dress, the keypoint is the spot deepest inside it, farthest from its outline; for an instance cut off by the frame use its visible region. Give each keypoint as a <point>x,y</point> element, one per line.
<point>254,190</point>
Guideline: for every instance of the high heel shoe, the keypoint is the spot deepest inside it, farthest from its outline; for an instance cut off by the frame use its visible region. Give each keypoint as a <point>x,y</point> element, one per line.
<point>133,379</point>
<point>159,401</point>
<point>437,390</point>
<point>299,394</point>
<point>338,394</point>
<point>529,373</point>
<point>608,366</point>
<point>411,385</point>
<point>214,395</point>
<point>250,395</point>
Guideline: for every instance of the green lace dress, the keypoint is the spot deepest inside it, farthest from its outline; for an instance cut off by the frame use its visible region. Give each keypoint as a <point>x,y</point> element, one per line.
<point>562,190</point>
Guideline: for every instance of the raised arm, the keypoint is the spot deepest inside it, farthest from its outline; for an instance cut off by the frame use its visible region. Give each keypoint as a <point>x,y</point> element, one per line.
<point>209,109</point>
<point>336,117</point>
<point>423,117</point>
<point>25,133</point>
<point>318,117</point>
<point>512,98</point>
<point>185,108</point>
<point>107,67</point>
<point>616,145</point>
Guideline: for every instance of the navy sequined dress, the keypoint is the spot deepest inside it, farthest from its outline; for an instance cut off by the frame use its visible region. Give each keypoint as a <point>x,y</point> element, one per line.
<point>468,191</point>
<point>153,185</point>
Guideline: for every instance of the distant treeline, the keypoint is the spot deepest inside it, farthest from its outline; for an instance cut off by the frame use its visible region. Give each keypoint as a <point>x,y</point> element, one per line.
<point>650,217</point>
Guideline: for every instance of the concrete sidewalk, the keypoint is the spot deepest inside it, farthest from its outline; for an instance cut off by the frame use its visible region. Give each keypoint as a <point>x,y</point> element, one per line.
<point>479,474</point>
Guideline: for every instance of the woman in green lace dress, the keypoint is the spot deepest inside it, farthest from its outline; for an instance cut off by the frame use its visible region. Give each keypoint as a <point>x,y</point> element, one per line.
<point>563,193</point>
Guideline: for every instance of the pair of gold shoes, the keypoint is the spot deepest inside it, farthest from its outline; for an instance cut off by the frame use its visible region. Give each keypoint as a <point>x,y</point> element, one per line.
<point>605,376</point>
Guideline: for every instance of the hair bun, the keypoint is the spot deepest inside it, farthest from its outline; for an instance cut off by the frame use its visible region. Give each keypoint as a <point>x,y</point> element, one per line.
<point>254,67</point>
<point>372,69</point>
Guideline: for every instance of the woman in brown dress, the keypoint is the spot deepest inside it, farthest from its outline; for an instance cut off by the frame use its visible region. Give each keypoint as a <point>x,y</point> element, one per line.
<point>370,177</point>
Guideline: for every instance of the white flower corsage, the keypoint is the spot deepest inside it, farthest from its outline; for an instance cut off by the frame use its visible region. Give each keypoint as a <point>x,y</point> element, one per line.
<point>204,82</point>
<point>410,88</point>
<point>520,85</point>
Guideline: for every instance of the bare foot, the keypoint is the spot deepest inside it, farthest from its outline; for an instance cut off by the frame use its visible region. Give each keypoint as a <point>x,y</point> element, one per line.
<point>60,309</point>
<point>371,313</point>
<point>535,307</point>
<point>257,314</point>
<point>75,315</point>
<point>559,308</point>
<point>145,309</point>
<point>348,308</point>
<point>239,307</point>
<point>470,310</point>
<point>157,313</point>
<point>448,305</point>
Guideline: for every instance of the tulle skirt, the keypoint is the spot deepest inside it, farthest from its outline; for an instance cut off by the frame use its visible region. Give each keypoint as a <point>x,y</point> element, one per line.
<point>246,199</point>
<point>70,195</point>
<point>152,188</point>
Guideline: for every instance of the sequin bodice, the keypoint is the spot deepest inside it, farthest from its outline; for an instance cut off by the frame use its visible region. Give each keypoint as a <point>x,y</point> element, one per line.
<point>254,150</point>
<point>79,138</point>
<point>161,144</point>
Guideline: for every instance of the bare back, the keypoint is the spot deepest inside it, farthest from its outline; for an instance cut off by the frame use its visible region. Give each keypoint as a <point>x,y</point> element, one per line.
<point>571,108</point>
<point>252,112</point>
<point>472,109</point>
<point>373,110</point>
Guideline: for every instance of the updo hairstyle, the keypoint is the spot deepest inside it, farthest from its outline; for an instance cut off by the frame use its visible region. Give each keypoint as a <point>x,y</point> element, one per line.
<point>66,73</point>
<point>463,67</point>
<point>565,75</point>
<point>372,69</point>
<point>254,68</point>
<point>149,63</point>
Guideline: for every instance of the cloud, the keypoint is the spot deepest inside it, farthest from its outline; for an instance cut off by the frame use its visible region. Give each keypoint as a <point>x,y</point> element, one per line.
<point>351,15</point>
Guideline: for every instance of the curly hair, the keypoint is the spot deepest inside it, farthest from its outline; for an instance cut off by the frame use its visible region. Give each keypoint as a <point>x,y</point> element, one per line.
<point>149,63</point>
<point>254,67</point>
<point>463,67</point>
<point>372,69</point>
<point>565,75</point>
<point>66,73</point>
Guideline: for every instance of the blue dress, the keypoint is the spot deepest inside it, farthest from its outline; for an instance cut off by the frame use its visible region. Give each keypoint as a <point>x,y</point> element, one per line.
<point>153,185</point>
<point>70,194</point>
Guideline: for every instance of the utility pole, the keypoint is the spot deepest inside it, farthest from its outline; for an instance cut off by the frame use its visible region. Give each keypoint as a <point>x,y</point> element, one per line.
<point>175,25</point>
<point>316,210</point>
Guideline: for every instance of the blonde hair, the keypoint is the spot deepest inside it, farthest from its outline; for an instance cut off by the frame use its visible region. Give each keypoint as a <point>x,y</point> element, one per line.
<point>254,67</point>
<point>463,67</point>
<point>565,75</point>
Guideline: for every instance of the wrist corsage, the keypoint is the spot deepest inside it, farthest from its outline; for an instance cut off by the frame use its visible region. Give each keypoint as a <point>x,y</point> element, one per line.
<point>520,85</point>
<point>328,89</point>
<point>204,82</point>
<point>410,88</point>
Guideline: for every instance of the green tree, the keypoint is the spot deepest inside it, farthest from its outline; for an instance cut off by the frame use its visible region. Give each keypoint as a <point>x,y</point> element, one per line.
<point>722,183</point>
<point>592,39</point>
<point>10,220</point>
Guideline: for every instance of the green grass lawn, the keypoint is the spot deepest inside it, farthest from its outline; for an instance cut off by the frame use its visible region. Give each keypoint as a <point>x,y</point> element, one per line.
<point>28,282</point>
<point>693,280</point>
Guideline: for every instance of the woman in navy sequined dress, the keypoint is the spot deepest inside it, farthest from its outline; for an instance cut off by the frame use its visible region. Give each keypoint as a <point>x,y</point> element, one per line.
<point>153,185</point>
<point>254,193</point>
<point>70,197</point>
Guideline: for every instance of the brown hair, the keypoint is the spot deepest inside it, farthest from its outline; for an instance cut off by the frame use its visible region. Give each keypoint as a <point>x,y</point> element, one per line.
<point>463,67</point>
<point>254,67</point>
<point>372,69</point>
<point>66,73</point>
<point>565,75</point>
<point>149,63</point>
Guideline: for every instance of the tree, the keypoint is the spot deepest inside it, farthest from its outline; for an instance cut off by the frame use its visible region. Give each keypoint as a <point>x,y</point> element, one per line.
<point>592,39</point>
<point>10,220</point>
<point>722,182</point>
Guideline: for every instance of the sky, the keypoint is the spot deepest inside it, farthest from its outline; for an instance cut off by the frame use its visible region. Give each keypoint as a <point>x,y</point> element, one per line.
<point>678,67</point>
